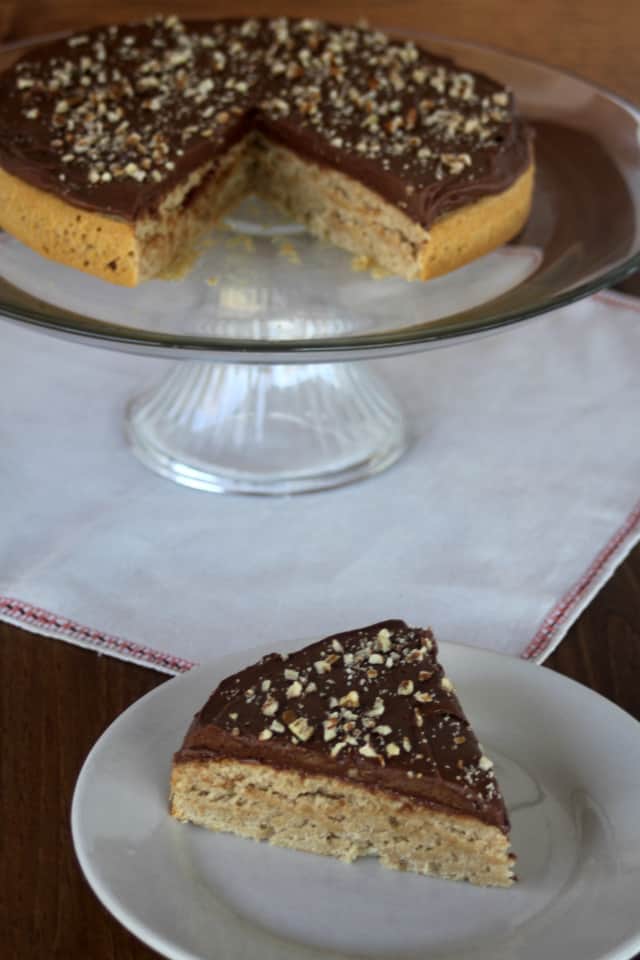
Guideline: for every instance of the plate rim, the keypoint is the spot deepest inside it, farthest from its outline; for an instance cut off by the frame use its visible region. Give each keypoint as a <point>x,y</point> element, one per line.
<point>172,949</point>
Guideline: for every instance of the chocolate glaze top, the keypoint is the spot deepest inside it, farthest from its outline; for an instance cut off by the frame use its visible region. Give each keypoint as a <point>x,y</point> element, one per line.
<point>371,705</point>
<point>112,119</point>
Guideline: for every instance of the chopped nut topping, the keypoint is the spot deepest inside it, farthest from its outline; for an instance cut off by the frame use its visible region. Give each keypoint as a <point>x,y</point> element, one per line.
<point>330,729</point>
<point>270,707</point>
<point>392,749</point>
<point>446,684</point>
<point>423,696</point>
<point>383,640</point>
<point>265,734</point>
<point>377,709</point>
<point>301,728</point>
<point>405,688</point>
<point>351,699</point>
<point>485,763</point>
<point>294,690</point>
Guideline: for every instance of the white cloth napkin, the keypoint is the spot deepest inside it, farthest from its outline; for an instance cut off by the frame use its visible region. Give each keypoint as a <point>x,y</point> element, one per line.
<point>515,503</point>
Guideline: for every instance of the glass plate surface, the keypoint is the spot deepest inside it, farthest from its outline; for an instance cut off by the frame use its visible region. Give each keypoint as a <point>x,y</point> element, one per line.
<point>568,762</point>
<point>263,290</point>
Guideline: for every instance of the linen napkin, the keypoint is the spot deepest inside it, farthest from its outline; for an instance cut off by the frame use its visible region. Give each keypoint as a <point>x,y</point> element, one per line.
<point>516,501</point>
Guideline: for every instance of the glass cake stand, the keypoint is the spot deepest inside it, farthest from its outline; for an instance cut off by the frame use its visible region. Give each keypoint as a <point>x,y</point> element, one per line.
<point>271,330</point>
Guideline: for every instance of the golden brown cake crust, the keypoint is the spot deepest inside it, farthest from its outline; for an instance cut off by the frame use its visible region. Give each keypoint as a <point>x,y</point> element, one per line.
<point>84,239</point>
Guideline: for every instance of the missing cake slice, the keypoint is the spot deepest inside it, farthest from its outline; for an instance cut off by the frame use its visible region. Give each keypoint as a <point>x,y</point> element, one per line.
<point>351,746</point>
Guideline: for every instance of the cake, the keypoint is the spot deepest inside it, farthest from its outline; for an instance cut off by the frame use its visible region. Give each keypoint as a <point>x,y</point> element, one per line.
<point>352,746</point>
<point>121,145</point>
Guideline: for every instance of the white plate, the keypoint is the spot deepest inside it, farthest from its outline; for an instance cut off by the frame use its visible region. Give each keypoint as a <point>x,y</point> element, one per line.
<point>569,765</point>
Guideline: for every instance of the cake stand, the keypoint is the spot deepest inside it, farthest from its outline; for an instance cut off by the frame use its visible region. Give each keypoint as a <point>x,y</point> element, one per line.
<point>271,330</point>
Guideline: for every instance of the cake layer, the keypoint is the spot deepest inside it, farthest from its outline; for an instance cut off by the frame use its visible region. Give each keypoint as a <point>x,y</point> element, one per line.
<point>339,209</point>
<point>114,119</point>
<point>326,815</point>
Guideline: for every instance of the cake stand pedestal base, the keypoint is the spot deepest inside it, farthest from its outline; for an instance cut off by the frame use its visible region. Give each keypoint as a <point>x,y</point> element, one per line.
<point>267,429</point>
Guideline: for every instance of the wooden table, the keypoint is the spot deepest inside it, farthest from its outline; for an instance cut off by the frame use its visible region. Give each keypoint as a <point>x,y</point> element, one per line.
<point>56,699</point>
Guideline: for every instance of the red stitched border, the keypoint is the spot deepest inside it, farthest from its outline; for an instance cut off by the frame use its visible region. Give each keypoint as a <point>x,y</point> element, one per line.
<point>76,632</point>
<point>554,620</point>
<point>68,629</point>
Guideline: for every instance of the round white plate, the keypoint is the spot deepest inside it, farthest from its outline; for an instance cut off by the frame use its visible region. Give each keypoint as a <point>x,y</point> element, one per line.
<point>569,765</point>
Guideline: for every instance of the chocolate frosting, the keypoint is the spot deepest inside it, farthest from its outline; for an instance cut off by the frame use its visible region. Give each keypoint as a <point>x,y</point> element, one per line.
<point>112,119</point>
<point>372,706</point>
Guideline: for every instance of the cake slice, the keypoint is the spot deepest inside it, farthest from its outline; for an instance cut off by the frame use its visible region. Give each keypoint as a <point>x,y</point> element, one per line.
<point>352,746</point>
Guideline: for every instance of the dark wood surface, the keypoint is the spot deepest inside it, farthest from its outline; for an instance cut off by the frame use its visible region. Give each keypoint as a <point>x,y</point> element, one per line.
<point>56,699</point>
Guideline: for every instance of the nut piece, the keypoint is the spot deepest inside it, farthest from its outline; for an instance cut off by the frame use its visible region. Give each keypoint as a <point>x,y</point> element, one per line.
<point>446,684</point>
<point>277,727</point>
<point>383,640</point>
<point>294,690</point>
<point>351,699</point>
<point>322,666</point>
<point>290,674</point>
<point>405,688</point>
<point>270,707</point>
<point>265,734</point>
<point>377,709</point>
<point>301,728</point>
<point>423,697</point>
<point>416,656</point>
<point>330,728</point>
<point>368,751</point>
<point>337,747</point>
<point>392,749</point>
<point>485,763</point>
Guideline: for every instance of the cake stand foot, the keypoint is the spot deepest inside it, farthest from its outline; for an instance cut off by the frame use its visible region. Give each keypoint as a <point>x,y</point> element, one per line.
<point>267,429</point>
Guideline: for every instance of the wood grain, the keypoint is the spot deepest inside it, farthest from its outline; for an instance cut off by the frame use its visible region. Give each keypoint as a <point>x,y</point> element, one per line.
<point>56,699</point>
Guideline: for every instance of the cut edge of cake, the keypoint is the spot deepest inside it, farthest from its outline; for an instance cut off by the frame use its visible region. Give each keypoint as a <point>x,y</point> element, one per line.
<point>332,206</point>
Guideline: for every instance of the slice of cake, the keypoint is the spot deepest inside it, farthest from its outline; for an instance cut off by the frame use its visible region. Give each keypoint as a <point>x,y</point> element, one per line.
<point>119,146</point>
<point>352,746</point>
